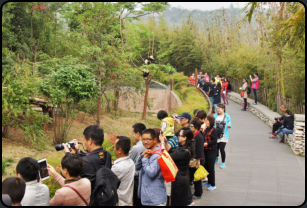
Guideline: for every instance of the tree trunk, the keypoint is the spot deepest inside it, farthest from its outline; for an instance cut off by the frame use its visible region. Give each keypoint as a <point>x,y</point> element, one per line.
<point>146,97</point>
<point>98,110</point>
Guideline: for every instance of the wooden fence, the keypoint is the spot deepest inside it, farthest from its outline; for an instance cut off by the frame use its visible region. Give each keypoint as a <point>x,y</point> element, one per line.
<point>262,95</point>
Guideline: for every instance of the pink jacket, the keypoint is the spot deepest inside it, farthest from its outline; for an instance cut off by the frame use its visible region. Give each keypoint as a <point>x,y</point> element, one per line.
<point>65,196</point>
<point>255,83</point>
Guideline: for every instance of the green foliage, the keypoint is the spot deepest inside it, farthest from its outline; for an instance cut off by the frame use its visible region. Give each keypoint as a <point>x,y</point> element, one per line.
<point>3,167</point>
<point>32,128</point>
<point>66,88</point>
<point>192,99</point>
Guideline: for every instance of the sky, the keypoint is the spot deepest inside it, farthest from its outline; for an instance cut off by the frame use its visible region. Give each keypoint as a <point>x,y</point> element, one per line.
<point>207,5</point>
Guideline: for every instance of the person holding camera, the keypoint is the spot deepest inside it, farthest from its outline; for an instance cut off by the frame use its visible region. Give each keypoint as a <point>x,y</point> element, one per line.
<point>287,127</point>
<point>278,121</point>
<point>75,191</point>
<point>95,156</point>
<point>255,86</point>
<point>222,124</point>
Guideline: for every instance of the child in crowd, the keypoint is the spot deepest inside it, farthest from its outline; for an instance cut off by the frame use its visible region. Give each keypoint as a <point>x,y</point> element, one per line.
<point>15,187</point>
<point>167,125</point>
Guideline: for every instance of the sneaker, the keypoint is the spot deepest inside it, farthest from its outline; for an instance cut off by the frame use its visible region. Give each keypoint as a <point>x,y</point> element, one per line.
<point>211,188</point>
<point>192,203</point>
<point>205,179</point>
<point>254,103</point>
<point>222,165</point>
<point>243,110</point>
<point>217,160</point>
<point>196,197</point>
<point>274,134</point>
<point>206,184</point>
<point>281,141</point>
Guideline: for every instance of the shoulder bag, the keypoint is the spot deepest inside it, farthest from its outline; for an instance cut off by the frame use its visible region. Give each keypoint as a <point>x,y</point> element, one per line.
<point>77,193</point>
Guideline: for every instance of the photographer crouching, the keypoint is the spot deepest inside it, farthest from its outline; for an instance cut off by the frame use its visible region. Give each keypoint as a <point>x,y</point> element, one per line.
<point>95,156</point>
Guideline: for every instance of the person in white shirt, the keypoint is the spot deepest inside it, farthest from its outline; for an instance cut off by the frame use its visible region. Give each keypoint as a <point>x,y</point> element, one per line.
<point>36,194</point>
<point>124,169</point>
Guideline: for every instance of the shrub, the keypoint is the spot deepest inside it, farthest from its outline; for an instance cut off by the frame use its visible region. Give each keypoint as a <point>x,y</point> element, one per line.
<point>3,167</point>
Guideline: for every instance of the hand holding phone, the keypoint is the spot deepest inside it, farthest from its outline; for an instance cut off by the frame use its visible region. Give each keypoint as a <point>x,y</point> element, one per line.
<point>43,171</point>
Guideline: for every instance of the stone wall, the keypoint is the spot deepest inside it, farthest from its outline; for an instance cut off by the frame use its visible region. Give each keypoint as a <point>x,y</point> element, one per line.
<point>256,112</point>
<point>297,139</point>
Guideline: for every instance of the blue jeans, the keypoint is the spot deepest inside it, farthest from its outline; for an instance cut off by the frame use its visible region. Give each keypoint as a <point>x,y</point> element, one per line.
<point>283,132</point>
<point>255,95</point>
<point>212,99</point>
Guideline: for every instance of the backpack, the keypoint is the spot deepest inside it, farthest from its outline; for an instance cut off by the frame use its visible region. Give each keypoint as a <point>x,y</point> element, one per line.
<point>229,88</point>
<point>105,189</point>
<point>220,128</point>
<point>248,90</point>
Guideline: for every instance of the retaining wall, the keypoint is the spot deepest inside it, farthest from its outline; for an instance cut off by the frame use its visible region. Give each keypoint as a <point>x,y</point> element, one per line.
<point>295,140</point>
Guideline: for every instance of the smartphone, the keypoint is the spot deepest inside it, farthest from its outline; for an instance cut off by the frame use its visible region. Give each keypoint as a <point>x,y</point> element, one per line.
<point>43,172</point>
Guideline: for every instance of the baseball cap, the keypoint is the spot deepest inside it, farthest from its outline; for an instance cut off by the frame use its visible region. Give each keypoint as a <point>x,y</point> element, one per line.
<point>185,115</point>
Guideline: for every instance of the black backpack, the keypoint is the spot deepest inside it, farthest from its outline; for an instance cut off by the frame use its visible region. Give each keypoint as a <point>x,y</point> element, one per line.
<point>220,128</point>
<point>105,189</point>
<point>248,90</point>
<point>229,88</point>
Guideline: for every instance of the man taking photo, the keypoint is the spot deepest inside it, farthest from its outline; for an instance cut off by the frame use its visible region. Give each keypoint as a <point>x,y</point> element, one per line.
<point>95,156</point>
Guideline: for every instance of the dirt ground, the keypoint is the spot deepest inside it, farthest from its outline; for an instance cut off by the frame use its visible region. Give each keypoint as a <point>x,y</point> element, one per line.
<point>15,147</point>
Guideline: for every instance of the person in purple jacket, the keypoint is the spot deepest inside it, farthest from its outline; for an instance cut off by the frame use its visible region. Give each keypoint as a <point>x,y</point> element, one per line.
<point>255,86</point>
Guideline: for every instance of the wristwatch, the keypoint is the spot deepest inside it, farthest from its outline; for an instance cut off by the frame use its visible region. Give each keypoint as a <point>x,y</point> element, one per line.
<point>162,142</point>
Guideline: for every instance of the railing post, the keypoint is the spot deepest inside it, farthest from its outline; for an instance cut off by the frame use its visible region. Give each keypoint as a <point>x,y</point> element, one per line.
<point>171,84</point>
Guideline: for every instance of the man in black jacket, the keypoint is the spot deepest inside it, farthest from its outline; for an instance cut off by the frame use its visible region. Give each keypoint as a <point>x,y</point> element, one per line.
<point>278,122</point>
<point>95,156</point>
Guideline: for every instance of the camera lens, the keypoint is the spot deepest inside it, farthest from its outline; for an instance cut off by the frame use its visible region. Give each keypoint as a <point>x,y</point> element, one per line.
<point>59,147</point>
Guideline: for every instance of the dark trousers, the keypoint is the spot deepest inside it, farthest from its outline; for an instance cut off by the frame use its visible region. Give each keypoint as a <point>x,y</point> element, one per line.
<point>136,200</point>
<point>276,126</point>
<point>245,103</point>
<point>198,189</point>
<point>221,147</point>
<point>210,156</point>
<point>255,95</point>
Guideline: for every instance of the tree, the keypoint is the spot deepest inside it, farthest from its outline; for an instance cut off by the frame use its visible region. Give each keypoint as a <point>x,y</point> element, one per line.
<point>65,88</point>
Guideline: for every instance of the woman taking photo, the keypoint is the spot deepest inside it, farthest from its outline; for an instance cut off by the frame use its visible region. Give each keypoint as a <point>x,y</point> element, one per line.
<point>210,136</point>
<point>217,95</point>
<point>182,156</point>
<point>222,118</point>
<point>244,89</point>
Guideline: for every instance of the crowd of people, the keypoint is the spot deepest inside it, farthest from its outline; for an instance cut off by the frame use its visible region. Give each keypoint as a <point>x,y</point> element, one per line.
<point>217,88</point>
<point>90,177</point>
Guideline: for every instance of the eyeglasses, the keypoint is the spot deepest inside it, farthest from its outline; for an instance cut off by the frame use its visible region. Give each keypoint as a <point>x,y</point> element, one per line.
<point>180,135</point>
<point>146,140</point>
<point>191,126</point>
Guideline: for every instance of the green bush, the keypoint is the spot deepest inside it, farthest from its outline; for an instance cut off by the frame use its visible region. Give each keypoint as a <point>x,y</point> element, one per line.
<point>3,167</point>
<point>192,99</point>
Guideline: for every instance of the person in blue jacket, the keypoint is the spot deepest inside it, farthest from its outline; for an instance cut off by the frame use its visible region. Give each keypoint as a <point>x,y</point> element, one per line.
<point>151,191</point>
<point>222,117</point>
